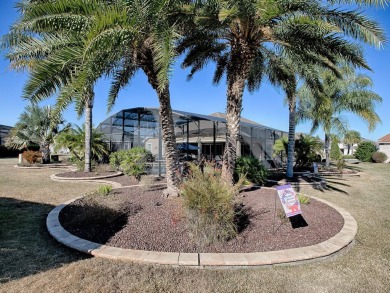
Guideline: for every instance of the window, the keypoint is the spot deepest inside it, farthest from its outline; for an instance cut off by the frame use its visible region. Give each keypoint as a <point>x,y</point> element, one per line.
<point>149,147</point>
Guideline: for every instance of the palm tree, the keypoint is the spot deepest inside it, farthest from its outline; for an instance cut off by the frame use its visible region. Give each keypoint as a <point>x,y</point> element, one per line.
<point>350,94</point>
<point>123,37</point>
<point>352,137</point>
<point>43,43</point>
<point>74,139</point>
<point>153,52</point>
<point>98,36</point>
<point>34,127</point>
<point>238,36</point>
<point>286,75</point>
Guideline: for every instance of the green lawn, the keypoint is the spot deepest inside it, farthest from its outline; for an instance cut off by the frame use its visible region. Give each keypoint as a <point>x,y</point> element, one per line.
<point>31,261</point>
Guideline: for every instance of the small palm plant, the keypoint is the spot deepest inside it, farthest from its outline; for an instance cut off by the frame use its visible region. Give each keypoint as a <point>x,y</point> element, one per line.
<point>251,168</point>
<point>34,128</point>
<point>74,137</point>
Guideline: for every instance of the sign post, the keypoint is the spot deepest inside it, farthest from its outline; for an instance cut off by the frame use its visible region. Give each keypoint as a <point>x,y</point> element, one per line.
<point>289,200</point>
<point>315,168</point>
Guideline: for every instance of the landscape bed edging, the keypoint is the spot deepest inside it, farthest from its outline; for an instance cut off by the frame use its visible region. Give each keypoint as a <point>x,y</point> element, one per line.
<point>59,178</point>
<point>200,260</point>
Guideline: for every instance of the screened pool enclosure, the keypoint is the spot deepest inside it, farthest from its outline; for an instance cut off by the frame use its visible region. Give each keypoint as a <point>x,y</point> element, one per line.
<point>196,135</point>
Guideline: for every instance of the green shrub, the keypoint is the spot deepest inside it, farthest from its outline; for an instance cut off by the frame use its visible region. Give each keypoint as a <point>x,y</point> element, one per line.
<point>348,157</point>
<point>379,157</point>
<point>303,199</point>
<point>335,152</point>
<point>251,168</point>
<point>32,157</point>
<point>307,150</point>
<point>132,162</point>
<point>104,190</point>
<point>116,158</point>
<point>210,205</point>
<point>340,164</point>
<point>365,150</point>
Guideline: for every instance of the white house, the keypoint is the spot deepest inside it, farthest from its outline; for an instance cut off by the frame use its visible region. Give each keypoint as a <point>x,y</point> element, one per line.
<point>384,146</point>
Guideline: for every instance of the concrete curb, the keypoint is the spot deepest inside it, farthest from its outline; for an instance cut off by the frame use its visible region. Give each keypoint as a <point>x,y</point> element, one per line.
<point>201,260</point>
<point>58,178</point>
<point>51,166</point>
<point>112,183</point>
<point>334,174</point>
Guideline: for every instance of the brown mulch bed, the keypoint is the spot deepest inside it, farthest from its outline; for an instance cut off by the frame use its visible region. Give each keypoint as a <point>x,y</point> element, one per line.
<point>145,220</point>
<point>129,180</point>
<point>82,174</point>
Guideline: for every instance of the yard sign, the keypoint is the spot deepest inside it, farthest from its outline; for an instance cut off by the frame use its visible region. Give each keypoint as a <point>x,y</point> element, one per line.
<point>289,200</point>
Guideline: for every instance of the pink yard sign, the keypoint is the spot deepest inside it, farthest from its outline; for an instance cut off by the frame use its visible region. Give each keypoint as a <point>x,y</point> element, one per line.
<point>289,200</point>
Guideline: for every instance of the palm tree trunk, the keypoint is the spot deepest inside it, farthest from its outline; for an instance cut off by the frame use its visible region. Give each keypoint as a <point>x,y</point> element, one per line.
<point>88,133</point>
<point>327,148</point>
<point>291,137</point>
<point>166,122</point>
<point>169,139</point>
<point>45,149</point>
<point>233,113</point>
<point>238,71</point>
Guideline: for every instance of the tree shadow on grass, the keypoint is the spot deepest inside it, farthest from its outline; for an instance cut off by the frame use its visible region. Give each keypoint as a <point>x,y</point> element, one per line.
<point>335,186</point>
<point>26,247</point>
<point>354,168</point>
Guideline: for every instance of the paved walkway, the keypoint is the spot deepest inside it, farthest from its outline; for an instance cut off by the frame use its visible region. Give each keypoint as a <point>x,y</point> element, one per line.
<point>201,260</point>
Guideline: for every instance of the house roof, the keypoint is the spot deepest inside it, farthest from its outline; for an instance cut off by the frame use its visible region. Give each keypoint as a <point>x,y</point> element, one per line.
<point>385,138</point>
<point>242,119</point>
<point>126,117</point>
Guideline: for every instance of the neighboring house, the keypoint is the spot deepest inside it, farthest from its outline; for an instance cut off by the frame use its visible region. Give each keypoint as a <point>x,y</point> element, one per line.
<point>384,146</point>
<point>344,147</point>
<point>4,131</point>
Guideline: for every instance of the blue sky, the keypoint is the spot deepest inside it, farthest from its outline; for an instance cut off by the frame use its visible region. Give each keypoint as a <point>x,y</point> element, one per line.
<point>199,96</point>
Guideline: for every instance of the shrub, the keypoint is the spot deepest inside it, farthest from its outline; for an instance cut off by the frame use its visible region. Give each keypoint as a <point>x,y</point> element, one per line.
<point>335,152</point>
<point>307,150</point>
<point>379,157</point>
<point>251,168</point>
<point>340,164</point>
<point>348,157</point>
<point>303,199</point>
<point>132,162</point>
<point>365,150</point>
<point>31,157</point>
<point>104,189</point>
<point>210,205</point>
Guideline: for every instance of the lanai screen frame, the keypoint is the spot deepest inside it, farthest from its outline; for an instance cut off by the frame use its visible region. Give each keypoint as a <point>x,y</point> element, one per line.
<point>131,127</point>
